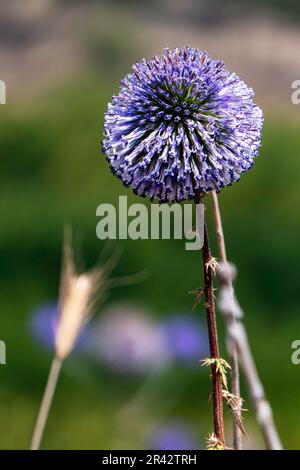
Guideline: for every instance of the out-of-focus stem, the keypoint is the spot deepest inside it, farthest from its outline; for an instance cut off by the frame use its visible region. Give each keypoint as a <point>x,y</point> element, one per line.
<point>235,381</point>
<point>229,307</point>
<point>46,404</point>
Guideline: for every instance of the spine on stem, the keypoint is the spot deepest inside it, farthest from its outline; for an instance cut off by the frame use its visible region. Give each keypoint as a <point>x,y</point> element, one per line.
<point>217,396</point>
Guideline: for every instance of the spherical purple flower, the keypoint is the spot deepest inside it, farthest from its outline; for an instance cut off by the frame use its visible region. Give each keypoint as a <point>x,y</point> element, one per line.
<point>181,122</point>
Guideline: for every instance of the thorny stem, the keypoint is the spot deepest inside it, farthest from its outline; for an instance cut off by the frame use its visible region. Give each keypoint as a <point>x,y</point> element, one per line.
<point>238,336</point>
<point>217,398</point>
<point>235,380</point>
<point>46,404</point>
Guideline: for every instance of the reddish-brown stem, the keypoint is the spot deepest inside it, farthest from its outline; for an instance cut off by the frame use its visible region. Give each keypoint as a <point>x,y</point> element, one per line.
<point>235,380</point>
<point>217,398</point>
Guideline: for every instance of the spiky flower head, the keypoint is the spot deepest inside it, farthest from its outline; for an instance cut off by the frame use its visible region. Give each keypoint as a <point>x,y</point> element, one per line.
<point>181,122</point>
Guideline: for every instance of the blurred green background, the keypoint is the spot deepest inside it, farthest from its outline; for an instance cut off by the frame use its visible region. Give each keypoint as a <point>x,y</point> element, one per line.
<point>62,61</point>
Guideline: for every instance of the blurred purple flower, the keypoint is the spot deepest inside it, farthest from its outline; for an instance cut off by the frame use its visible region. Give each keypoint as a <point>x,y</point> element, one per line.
<point>126,340</point>
<point>186,338</point>
<point>174,435</point>
<point>43,322</point>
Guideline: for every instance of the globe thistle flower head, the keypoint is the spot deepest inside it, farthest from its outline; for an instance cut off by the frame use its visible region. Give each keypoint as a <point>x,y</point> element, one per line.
<point>181,123</point>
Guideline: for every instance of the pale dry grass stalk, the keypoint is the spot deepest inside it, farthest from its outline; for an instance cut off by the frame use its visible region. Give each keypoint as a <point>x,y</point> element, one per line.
<point>237,338</point>
<point>235,380</point>
<point>46,404</point>
<point>79,294</point>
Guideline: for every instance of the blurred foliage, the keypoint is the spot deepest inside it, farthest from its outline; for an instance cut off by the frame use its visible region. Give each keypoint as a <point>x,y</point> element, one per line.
<point>205,10</point>
<point>52,172</point>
